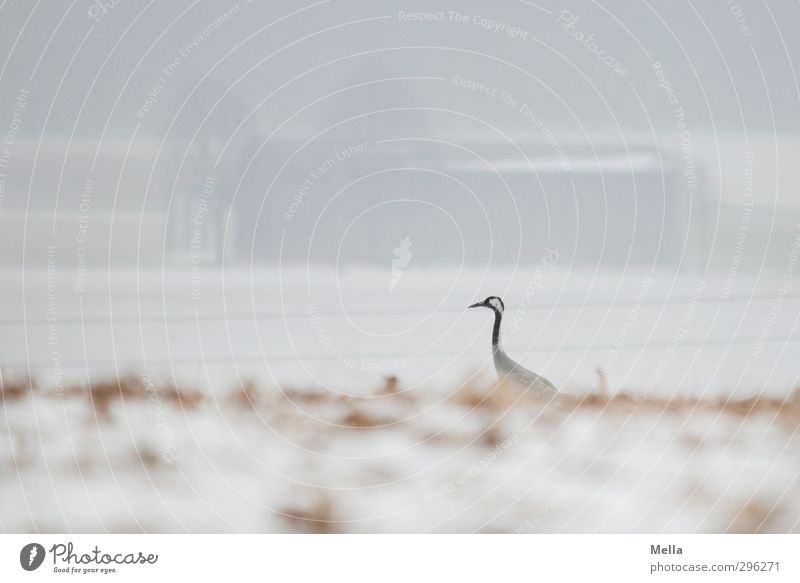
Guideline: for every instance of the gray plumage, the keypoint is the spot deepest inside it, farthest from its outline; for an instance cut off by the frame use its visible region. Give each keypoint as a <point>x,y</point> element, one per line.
<point>504,365</point>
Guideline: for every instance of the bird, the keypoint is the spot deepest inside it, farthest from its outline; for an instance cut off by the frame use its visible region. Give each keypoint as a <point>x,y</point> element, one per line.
<point>504,365</point>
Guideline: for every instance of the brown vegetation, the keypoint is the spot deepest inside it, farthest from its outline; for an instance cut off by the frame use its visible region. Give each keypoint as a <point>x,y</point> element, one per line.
<point>11,389</point>
<point>494,398</point>
<point>318,519</point>
<point>314,417</point>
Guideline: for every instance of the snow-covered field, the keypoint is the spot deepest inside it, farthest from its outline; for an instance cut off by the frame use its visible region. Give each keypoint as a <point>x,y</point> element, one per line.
<point>477,458</point>
<point>283,420</point>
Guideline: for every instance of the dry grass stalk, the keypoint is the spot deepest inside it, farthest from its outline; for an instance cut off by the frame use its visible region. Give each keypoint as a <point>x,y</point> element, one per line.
<point>602,382</point>
<point>754,518</point>
<point>499,397</point>
<point>357,419</point>
<point>316,520</point>
<point>389,387</point>
<point>11,391</point>
<point>246,395</point>
<point>184,398</point>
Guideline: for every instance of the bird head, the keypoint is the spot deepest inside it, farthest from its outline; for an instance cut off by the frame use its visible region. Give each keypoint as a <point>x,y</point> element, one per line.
<point>492,302</point>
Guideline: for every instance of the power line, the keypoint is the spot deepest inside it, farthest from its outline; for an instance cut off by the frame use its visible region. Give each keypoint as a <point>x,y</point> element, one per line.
<point>378,312</point>
<point>280,358</point>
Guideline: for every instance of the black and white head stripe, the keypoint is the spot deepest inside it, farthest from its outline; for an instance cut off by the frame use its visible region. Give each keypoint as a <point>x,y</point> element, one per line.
<point>495,303</point>
<point>492,302</point>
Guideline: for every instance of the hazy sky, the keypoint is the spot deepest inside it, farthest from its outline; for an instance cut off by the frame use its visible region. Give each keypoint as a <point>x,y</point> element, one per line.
<point>139,104</point>
<point>728,62</point>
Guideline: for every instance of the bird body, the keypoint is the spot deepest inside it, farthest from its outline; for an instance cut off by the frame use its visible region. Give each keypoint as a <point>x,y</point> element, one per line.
<point>507,369</point>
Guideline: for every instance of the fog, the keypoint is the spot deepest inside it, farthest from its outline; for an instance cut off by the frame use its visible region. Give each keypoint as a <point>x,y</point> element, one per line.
<point>266,203</point>
<point>225,146</point>
<point>620,133</point>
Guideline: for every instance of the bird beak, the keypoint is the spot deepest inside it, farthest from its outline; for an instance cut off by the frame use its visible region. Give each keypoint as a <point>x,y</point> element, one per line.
<point>478,305</point>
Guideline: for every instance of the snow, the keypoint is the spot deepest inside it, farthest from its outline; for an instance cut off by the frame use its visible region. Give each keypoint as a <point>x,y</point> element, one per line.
<point>404,463</point>
<point>318,444</point>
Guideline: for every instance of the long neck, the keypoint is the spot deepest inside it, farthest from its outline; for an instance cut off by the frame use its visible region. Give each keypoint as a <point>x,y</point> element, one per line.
<point>498,318</point>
